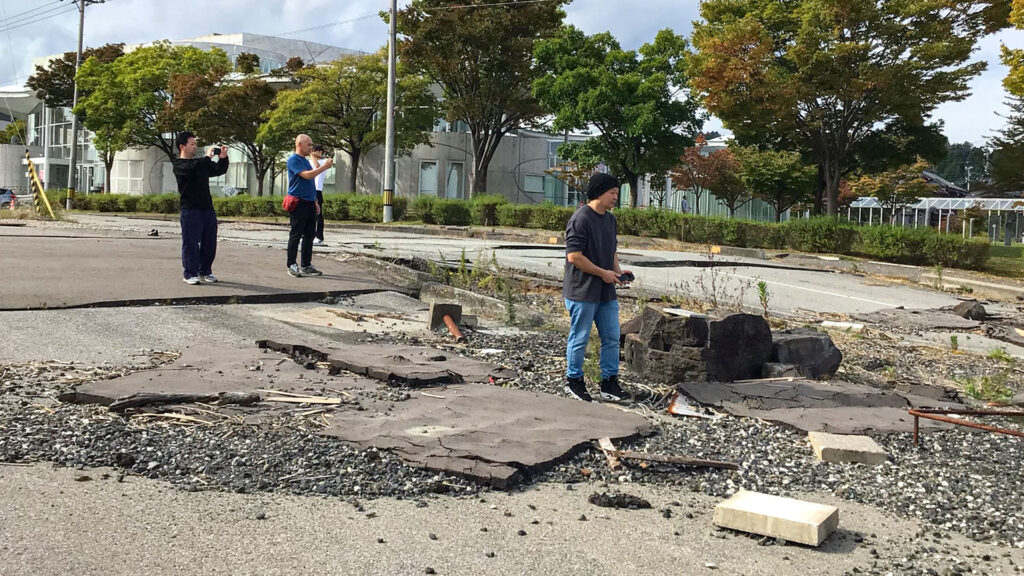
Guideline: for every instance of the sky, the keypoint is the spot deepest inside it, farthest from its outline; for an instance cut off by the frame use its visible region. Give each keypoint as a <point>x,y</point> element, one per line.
<point>354,24</point>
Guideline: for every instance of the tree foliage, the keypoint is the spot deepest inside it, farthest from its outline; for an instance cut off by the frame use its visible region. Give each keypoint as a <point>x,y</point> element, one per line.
<point>225,112</point>
<point>633,97</point>
<point>825,75</point>
<point>247,63</point>
<point>13,130</point>
<point>54,81</point>
<point>895,189</point>
<point>343,106</point>
<point>482,58</point>
<point>1007,159</point>
<point>699,172</point>
<point>780,178</point>
<point>129,99</point>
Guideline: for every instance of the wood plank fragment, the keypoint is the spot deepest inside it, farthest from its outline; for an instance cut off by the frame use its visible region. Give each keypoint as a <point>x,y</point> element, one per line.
<point>608,447</point>
<point>303,400</point>
<point>664,459</point>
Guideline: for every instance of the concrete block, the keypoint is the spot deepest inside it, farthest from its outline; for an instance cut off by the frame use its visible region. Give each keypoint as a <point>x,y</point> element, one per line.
<point>794,520</point>
<point>846,448</point>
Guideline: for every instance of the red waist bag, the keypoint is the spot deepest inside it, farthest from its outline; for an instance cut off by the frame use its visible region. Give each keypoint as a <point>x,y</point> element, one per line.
<point>289,203</point>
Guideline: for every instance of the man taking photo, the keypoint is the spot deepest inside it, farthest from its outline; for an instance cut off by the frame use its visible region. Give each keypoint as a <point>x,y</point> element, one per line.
<point>198,219</point>
<point>301,185</point>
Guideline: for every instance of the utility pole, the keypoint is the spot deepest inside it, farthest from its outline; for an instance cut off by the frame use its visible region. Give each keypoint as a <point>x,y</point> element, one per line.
<point>389,140</point>
<point>72,164</point>
<point>969,168</point>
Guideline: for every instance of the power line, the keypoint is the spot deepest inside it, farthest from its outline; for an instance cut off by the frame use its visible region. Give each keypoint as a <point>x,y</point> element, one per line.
<point>486,5</point>
<point>328,25</point>
<point>67,10</point>
<point>13,16</point>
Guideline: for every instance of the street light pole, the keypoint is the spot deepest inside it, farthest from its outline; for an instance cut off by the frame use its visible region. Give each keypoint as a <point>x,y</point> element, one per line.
<point>72,163</point>
<point>389,140</point>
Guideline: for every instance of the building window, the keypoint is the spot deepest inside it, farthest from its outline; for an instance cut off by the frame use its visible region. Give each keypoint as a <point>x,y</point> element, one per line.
<point>126,177</point>
<point>544,188</point>
<point>428,179</point>
<point>455,178</point>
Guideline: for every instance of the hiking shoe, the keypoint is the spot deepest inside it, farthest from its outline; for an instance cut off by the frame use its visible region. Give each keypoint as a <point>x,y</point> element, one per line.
<point>577,388</point>
<point>610,390</point>
<point>208,279</point>
<point>295,271</point>
<point>310,271</point>
<point>192,280</point>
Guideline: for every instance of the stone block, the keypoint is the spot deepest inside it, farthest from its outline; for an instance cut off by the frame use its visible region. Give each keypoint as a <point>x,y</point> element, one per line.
<point>793,520</point>
<point>664,332</point>
<point>813,352</point>
<point>846,448</point>
<point>776,370</point>
<point>630,327</point>
<point>738,347</point>
<point>680,365</point>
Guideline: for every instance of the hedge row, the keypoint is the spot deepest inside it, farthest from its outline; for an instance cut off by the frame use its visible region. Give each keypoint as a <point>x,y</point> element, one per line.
<point>922,246</point>
<point>358,207</point>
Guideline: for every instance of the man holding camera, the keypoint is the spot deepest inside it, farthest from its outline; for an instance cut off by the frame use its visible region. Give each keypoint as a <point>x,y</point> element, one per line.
<point>592,272</point>
<point>301,185</point>
<point>198,219</point>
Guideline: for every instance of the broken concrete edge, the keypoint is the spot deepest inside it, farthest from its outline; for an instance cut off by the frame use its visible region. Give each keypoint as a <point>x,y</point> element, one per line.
<point>278,298</point>
<point>978,287</point>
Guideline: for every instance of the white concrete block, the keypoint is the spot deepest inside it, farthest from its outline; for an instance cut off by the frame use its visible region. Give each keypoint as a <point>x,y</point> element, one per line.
<point>794,520</point>
<point>846,448</point>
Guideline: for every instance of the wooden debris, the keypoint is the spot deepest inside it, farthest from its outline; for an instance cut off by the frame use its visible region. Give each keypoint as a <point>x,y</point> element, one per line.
<point>679,460</point>
<point>608,448</point>
<point>433,395</point>
<point>756,380</point>
<point>303,399</point>
<point>176,416</point>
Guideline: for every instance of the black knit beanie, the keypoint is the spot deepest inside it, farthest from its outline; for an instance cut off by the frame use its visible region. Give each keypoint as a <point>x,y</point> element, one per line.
<point>601,183</point>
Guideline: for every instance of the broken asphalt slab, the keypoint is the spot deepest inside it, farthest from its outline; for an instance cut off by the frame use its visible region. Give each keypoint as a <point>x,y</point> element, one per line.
<point>918,320</point>
<point>488,433</point>
<point>816,406</point>
<point>89,271</point>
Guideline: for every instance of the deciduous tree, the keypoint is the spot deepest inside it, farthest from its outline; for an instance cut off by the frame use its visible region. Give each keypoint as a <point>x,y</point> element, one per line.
<point>634,98</point>
<point>481,55</point>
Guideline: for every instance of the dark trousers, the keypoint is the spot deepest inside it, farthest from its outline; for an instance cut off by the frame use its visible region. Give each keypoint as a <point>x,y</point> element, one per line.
<point>303,220</point>
<point>198,241</point>
<point>320,217</point>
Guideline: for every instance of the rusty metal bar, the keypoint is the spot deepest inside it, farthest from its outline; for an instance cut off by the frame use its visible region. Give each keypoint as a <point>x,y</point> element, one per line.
<point>456,333</point>
<point>942,416</point>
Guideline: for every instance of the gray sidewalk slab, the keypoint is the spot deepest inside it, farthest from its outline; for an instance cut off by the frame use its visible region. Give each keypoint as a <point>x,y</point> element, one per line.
<point>60,270</point>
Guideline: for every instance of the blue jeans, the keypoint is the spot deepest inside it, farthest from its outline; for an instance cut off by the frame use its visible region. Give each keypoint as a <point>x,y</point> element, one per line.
<point>584,315</point>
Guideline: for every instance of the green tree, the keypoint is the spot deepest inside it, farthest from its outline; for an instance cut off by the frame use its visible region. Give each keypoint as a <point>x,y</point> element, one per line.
<point>342,106</point>
<point>482,58</point>
<point>12,130</point>
<point>895,189</point>
<point>220,111</point>
<point>130,98</point>
<point>959,158</point>
<point>633,97</point>
<point>247,63</point>
<point>826,74</point>
<point>54,81</point>
<point>698,171</point>
<point>778,177</point>
<point>1014,57</point>
<point>726,185</point>
<point>1007,159</point>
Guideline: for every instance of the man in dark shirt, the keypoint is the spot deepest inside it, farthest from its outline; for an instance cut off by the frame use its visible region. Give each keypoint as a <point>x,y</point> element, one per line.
<point>198,220</point>
<point>591,273</point>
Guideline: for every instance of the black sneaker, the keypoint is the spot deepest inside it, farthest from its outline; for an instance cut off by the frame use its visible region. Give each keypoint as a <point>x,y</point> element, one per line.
<point>310,271</point>
<point>610,390</point>
<point>577,388</point>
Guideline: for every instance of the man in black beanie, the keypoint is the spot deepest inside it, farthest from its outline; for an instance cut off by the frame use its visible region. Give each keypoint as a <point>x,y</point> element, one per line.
<point>591,273</point>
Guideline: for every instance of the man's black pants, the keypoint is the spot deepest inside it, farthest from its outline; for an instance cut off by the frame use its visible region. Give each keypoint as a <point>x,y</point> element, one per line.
<point>198,241</point>
<point>320,217</point>
<point>303,220</point>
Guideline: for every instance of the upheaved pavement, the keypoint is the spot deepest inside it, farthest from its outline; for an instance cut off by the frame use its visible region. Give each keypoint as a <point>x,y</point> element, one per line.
<point>67,268</point>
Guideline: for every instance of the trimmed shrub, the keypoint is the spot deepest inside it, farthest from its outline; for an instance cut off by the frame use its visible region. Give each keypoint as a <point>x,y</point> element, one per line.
<point>551,217</point>
<point>514,215</point>
<point>650,222</point>
<point>821,234</point>
<point>901,245</point>
<point>335,206</point>
<point>423,208</point>
<point>484,209</point>
<point>451,212</point>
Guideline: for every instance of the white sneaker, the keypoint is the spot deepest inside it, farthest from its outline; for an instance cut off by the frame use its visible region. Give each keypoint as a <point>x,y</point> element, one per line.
<point>318,242</point>
<point>192,281</point>
<point>295,271</point>
<point>208,279</point>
